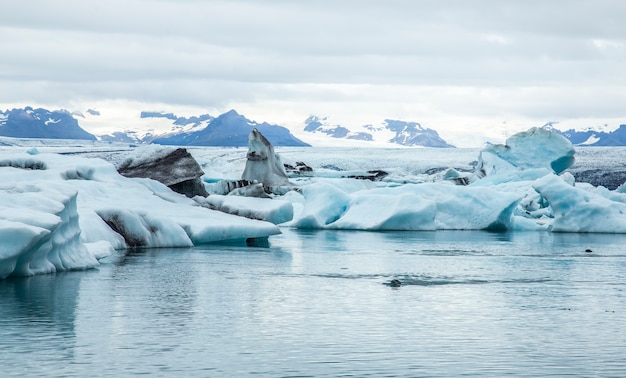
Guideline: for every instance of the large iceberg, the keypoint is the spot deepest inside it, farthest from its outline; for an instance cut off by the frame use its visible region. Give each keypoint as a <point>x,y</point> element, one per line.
<point>534,148</point>
<point>428,206</point>
<point>175,168</point>
<point>263,165</point>
<point>65,212</point>
<point>520,185</point>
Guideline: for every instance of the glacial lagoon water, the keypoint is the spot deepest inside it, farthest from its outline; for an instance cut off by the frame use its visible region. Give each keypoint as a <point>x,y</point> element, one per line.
<point>319,304</point>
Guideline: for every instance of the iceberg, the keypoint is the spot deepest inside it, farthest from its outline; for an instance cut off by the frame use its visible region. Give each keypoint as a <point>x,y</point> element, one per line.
<point>578,210</point>
<point>428,206</point>
<point>263,165</point>
<point>61,212</point>
<point>274,211</point>
<point>534,148</point>
<point>522,185</point>
<point>175,168</point>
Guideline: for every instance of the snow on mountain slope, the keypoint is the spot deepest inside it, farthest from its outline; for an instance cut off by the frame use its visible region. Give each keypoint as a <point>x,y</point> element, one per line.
<point>29,122</point>
<point>141,127</point>
<point>592,137</point>
<point>231,129</point>
<point>389,131</point>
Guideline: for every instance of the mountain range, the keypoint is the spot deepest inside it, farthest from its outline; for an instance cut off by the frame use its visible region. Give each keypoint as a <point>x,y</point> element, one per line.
<point>232,129</point>
<point>41,123</point>
<point>391,131</point>
<point>616,137</point>
<point>229,129</point>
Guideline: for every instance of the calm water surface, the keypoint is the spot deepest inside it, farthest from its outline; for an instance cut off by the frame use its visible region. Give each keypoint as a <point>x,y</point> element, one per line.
<point>319,304</point>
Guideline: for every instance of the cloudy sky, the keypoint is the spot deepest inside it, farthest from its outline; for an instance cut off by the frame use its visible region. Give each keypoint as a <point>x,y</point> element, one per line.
<point>487,67</point>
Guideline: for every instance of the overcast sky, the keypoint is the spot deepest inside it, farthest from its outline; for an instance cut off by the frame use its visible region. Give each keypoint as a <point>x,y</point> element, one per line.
<point>456,66</point>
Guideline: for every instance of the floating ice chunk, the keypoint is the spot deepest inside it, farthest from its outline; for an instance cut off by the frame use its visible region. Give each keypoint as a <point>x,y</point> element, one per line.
<point>408,207</point>
<point>534,148</point>
<point>143,229</point>
<point>17,240</point>
<point>464,207</point>
<point>263,165</point>
<point>252,190</point>
<point>65,212</point>
<point>512,178</point>
<point>271,210</point>
<point>27,250</point>
<point>324,204</point>
<point>210,226</point>
<point>577,210</point>
<point>398,212</point>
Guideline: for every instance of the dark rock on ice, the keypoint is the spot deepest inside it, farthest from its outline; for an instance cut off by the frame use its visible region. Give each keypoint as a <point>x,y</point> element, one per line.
<point>190,188</point>
<point>373,175</point>
<point>300,169</point>
<point>31,164</point>
<point>226,186</point>
<point>176,169</point>
<point>252,190</point>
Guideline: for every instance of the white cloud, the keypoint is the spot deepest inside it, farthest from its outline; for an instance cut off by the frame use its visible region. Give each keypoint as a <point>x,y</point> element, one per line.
<point>445,61</point>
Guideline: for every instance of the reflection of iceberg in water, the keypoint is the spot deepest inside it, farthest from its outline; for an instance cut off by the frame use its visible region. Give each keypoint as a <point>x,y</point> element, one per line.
<point>37,316</point>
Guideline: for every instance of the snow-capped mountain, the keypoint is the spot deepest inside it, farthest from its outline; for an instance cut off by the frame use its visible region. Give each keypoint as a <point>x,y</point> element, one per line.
<point>41,123</point>
<point>593,137</point>
<point>232,129</point>
<point>389,131</point>
<point>149,122</point>
<point>229,129</point>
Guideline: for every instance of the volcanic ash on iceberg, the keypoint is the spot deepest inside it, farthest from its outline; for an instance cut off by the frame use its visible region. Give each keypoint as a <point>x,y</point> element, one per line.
<point>263,165</point>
